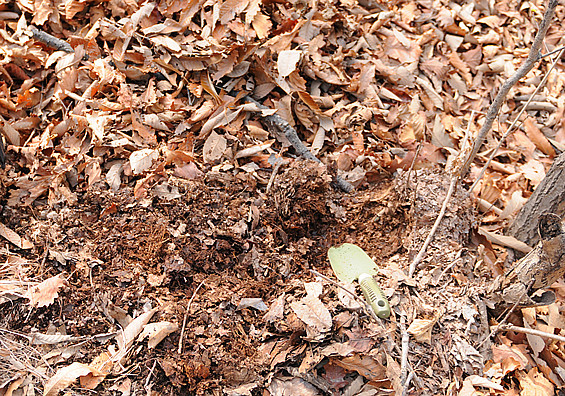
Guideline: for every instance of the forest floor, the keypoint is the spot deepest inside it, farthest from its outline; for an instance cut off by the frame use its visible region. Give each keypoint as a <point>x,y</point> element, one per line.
<point>158,232</point>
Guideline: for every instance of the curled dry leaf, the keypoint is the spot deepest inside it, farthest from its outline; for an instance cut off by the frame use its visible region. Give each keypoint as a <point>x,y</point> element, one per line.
<point>250,151</point>
<point>505,240</point>
<point>46,292</point>
<point>65,377</point>
<point>125,338</point>
<point>421,329</point>
<point>156,332</point>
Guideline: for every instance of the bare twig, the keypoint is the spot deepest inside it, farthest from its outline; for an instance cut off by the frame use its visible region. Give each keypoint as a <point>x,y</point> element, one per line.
<point>278,123</point>
<point>186,316</point>
<point>407,384</point>
<point>146,386</point>
<point>51,41</point>
<point>501,323</point>
<point>456,174</point>
<point>411,169</point>
<point>516,120</point>
<point>509,327</point>
<point>422,251</point>
<point>404,354</point>
<point>533,57</point>
<point>553,52</point>
<point>276,168</point>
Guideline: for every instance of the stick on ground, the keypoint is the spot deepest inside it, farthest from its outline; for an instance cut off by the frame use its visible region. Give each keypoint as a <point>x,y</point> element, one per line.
<point>186,316</point>
<point>278,123</point>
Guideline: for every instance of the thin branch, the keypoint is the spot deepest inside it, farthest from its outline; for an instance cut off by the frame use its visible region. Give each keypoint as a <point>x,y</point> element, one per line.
<point>407,384</point>
<point>424,247</point>
<point>532,58</point>
<point>456,173</point>
<point>186,316</point>
<point>516,120</point>
<point>553,52</point>
<point>279,162</point>
<point>509,327</point>
<point>51,41</point>
<point>278,123</point>
<point>404,355</point>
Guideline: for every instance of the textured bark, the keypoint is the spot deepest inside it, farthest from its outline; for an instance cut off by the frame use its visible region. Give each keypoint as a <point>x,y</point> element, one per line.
<point>537,270</point>
<point>549,196</point>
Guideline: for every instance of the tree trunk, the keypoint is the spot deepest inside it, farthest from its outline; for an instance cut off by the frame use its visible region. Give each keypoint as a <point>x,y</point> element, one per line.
<point>549,196</point>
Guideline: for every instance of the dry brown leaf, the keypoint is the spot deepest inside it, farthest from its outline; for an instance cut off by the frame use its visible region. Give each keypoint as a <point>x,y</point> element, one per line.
<point>534,171</point>
<point>125,338</point>
<point>103,365</point>
<point>366,366</point>
<point>421,329</point>
<point>430,91</point>
<point>113,177</point>
<point>46,292</point>
<point>214,147</point>
<point>14,238</point>
<point>276,312</point>
<point>230,8</point>
<point>222,117</point>
<point>287,61</point>
<point>476,381</point>
<point>313,312</point>
<point>124,388</point>
<point>66,376</point>
<point>167,42</point>
<point>538,138</point>
<point>251,151</point>
<point>513,205</point>
<point>262,25</point>
<point>156,332</point>
<point>534,383</point>
<point>505,240</point>
<point>142,160</point>
<point>11,133</point>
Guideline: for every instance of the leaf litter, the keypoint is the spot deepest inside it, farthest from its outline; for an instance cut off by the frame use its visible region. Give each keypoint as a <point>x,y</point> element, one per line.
<point>136,170</point>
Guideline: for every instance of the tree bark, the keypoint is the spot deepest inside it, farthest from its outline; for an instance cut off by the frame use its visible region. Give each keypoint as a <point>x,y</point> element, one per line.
<point>549,196</point>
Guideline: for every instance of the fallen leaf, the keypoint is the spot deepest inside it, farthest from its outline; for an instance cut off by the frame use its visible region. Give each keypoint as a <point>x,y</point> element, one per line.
<point>46,292</point>
<point>365,365</point>
<point>313,312</point>
<point>534,171</point>
<point>214,147</point>
<point>66,376</point>
<point>534,383</point>
<point>287,62</point>
<point>505,240</point>
<point>256,303</point>
<point>421,329</point>
<point>141,160</point>
<point>538,138</point>
<point>276,312</point>
<point>17,240</point>
<point>156,332</point>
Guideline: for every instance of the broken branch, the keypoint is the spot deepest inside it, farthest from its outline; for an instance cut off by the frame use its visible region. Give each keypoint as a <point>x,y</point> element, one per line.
<point>278,123</point>
<point>50,40</point>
